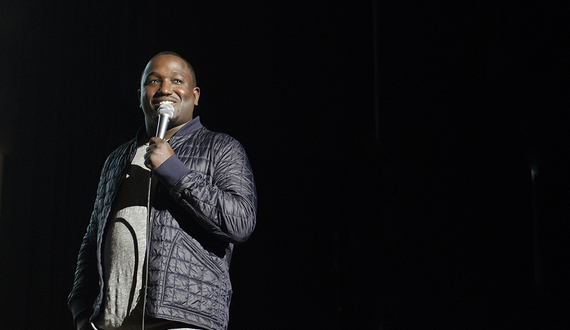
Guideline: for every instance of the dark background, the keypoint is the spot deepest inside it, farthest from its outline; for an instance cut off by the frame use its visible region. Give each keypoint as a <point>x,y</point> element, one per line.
<point>392,144</point>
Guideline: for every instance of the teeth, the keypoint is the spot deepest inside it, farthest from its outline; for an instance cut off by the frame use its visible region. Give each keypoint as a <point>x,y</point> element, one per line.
<point>165,102</point>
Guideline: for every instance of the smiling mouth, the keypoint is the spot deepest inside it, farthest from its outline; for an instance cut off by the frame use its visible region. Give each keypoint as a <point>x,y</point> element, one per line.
<point>156,104</point>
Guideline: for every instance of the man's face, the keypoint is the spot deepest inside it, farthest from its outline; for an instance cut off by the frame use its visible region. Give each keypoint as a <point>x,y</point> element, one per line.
<point>167,79</point>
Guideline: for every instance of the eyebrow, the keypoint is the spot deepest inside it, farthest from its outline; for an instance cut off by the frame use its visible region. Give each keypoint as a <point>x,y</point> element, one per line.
<point>156,73</point>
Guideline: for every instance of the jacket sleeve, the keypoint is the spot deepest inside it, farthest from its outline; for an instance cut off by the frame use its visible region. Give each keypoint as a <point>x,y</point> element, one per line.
<point>86,284</point>
<point>224,200</point>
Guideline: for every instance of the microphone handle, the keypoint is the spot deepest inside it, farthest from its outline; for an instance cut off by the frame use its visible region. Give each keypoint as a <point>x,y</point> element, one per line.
<point>163,121</point>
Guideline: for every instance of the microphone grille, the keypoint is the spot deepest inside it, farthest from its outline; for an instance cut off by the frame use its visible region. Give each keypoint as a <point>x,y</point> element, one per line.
<point>166,109</point>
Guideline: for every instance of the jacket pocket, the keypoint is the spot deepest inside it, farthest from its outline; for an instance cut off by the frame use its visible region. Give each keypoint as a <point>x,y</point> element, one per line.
<point>194,282</point>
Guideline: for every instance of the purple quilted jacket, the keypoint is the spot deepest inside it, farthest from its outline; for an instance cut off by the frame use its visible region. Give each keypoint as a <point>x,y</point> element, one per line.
<point>205,202</point>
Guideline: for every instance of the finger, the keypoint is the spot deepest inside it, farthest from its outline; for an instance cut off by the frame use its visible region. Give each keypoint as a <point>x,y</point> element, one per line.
<point>147,161</point>
<point>155,140</point>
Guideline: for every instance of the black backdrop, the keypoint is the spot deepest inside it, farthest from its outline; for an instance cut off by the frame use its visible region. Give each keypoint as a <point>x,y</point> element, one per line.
<point>392,144</point>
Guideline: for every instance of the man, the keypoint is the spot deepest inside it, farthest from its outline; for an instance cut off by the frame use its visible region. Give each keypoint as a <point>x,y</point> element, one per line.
<point>203,202</point>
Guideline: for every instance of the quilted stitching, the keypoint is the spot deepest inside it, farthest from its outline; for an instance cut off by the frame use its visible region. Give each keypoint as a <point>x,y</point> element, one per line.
<point>188,268</point>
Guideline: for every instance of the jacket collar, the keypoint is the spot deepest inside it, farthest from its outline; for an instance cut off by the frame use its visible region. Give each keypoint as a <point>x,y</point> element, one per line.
<point>188,128</point>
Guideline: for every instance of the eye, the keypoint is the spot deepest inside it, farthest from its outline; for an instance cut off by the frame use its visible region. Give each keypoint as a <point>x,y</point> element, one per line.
<point>151,81</point>
<point>177,81</point>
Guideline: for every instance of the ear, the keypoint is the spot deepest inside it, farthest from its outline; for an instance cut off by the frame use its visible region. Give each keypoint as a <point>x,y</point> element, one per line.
<point>196,93</point>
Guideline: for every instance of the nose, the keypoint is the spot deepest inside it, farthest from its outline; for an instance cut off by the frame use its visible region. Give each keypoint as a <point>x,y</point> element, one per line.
<point>166,87</point>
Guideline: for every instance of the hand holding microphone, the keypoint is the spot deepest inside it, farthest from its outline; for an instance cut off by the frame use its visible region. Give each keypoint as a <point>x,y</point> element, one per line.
<point>159,150</point>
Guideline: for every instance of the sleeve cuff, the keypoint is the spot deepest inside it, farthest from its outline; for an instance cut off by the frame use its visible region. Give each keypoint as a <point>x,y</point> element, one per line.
<point>77,307</point>
<point>171,171</point>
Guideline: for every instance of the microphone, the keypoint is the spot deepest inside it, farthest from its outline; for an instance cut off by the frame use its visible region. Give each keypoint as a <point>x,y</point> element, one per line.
<point>165,113</point>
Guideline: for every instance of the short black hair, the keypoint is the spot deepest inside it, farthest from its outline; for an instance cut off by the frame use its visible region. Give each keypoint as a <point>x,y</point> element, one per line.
<point>168,52</point>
